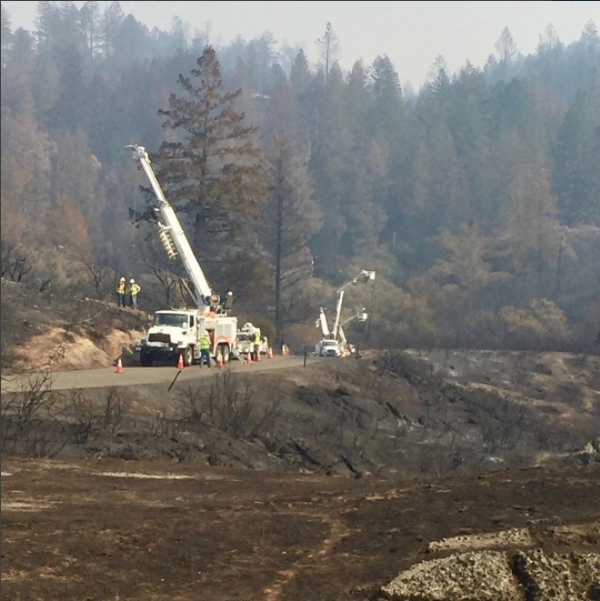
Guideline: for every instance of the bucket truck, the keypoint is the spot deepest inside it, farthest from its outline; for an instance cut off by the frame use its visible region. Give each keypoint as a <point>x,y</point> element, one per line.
<point>178,332</point>
<point>327,346</point>
<point>245,341</point>
<point>334,343</point>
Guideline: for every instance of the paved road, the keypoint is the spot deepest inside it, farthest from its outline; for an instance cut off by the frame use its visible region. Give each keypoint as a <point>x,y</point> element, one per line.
<point>131,376</point>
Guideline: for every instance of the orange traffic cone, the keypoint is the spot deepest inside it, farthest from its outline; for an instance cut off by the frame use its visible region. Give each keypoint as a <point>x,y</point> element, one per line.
<point>220,362</point>
<point>180,364</point>
<point>249,359</point>
<point>270,353</point>
<point>258,356</point>
<point>119,369</point>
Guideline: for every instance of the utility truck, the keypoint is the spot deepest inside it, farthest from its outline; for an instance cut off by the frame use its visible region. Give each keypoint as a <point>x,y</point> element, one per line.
<point>334,342</point>
<point>340,347</point>
<point>177,332</point>
<point>245,341</point>
<point>327,346</point>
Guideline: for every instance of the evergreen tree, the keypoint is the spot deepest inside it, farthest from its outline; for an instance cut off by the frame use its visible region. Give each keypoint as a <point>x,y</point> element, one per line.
<point>532,228</point>
<point>577,161</point>
<point>112,19</point>
<point>6,37</point>
<point>210,166</point>
<point>386,96</point>
<point>329,47</point>
<point>90,23</point>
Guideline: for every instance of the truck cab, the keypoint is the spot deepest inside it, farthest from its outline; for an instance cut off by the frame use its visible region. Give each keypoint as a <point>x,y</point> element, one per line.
<point>178,332</point>
<point>328,348</point>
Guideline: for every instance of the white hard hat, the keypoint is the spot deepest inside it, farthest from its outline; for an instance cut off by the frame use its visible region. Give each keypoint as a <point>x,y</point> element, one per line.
<point>132,281</point>
<point>122,280</point>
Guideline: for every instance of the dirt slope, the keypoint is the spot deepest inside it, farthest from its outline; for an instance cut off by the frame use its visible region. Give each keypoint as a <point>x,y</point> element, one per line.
<point>59,331</point>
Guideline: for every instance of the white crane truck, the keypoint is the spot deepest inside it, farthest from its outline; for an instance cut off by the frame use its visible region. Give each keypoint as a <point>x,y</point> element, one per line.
<point>177,332</point>
<point>334,342</point>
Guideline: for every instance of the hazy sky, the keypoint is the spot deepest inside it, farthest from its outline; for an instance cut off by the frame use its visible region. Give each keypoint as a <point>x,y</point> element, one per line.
<point>411,34</point>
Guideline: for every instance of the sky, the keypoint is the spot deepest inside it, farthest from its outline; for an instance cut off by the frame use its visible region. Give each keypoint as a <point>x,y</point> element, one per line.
<point>411,34</point>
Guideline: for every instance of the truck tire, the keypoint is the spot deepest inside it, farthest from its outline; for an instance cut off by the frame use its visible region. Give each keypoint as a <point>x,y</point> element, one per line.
<point>226,354</point>
<point>146,359</point>
<point>188,356</point>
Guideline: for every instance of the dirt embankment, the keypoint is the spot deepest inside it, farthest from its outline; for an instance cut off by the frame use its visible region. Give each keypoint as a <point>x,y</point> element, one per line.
<point>60,332</point>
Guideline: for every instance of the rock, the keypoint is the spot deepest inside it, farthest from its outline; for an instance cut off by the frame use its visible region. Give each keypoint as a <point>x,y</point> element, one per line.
<point>493,576</point>
<point>474,576</point>
<point>559,577</point>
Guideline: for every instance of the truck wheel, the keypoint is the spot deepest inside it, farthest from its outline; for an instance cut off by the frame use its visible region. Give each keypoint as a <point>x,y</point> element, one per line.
<point>146,359</point>
<point>225,354</point>
<point>188,356</point>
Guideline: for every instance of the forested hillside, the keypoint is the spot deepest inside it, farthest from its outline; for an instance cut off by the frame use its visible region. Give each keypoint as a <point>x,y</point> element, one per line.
<point>475,199</point>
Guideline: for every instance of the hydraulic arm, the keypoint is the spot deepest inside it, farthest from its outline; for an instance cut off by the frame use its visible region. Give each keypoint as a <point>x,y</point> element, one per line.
<point>173,237</point>
<point>322,323</point>
<point>363,276</point>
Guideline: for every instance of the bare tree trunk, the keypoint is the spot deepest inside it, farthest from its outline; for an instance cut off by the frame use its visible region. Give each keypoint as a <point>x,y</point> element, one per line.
<point>278,260</point>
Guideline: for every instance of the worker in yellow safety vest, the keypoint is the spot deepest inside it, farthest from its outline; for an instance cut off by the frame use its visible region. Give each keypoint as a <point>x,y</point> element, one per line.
<point>205,349</point>
<point>134,290</point>
<point>257,341</point>
<point>121,292</point>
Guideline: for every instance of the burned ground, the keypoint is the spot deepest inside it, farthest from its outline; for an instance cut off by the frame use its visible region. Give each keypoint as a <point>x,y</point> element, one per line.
<point>103,529</point>
<point>405,414</point>
<point>402,475</point>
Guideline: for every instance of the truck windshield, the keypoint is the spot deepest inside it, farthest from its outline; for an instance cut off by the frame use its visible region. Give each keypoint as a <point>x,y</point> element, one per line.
<point>330,343</point>
<point>178,320</point>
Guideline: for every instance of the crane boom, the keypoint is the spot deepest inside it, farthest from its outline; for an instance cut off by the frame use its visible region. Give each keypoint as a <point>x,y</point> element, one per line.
<point>365,276</point>
<point>173,237</point>
<point>322,323</point>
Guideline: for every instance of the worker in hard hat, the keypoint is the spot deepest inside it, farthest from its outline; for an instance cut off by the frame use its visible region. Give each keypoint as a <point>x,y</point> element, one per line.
<point>256,342</point>
<point>134,290</point>
<point>205,349</point>
<point>121,292</point>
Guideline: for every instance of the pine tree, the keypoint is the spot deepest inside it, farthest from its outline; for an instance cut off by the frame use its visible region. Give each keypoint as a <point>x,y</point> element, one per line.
<point>329,46</point>
<point>90,23</point>
<point>112,20</point>
<point>211,167</point>
<point>577,160</point>
<point>7,36</point>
